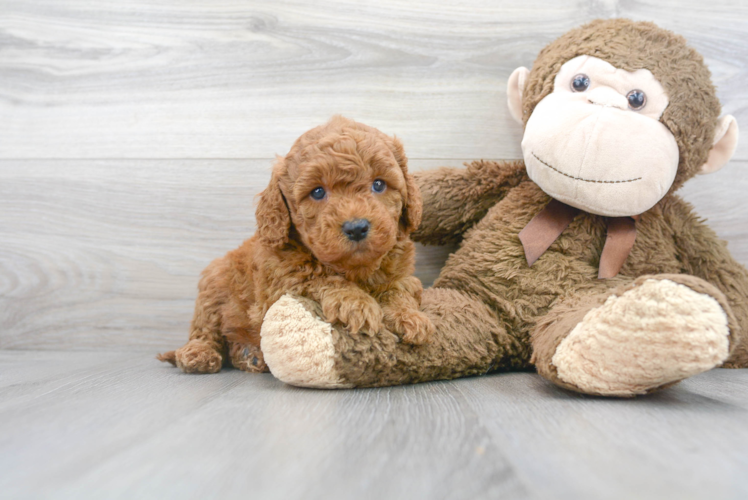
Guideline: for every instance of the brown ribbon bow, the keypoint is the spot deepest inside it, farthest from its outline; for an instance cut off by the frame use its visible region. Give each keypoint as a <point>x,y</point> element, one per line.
<point>547,226</point>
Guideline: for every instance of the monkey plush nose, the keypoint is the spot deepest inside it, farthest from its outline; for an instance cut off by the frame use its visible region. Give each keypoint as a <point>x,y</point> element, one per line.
<point>606,96</point>
<point>356,230</point>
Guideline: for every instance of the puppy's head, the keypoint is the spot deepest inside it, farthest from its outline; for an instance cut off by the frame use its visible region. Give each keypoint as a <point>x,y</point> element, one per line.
<point>346,189</point>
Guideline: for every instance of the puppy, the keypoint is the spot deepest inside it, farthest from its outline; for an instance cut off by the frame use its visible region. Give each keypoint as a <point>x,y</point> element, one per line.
<point>333,226</point>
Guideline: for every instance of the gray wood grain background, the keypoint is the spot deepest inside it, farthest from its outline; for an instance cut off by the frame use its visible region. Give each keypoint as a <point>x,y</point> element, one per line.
<point>119,426</point>
<point>134,136</point>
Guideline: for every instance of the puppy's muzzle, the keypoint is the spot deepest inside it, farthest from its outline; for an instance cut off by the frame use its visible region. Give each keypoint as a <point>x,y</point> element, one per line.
<point>356,230</point>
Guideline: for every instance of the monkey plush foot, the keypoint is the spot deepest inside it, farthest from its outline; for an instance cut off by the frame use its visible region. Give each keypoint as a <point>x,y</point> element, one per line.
<point>298,346</point>
<point>654,334</point>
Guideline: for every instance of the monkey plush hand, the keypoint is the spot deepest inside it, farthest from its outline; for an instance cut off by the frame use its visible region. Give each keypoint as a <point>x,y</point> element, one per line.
<point>580,260</point>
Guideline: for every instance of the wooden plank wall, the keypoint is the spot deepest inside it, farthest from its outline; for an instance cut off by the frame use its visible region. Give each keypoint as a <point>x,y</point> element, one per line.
<point>134,135</point>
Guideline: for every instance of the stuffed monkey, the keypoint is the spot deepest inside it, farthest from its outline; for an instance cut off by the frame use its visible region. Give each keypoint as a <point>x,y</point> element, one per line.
<point>579,261</point>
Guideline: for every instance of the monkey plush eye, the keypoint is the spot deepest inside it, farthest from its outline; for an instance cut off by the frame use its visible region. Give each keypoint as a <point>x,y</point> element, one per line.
<point>379,186</point>
<point>637,99</point>
<point>580,83</point>
<point>318,193</point>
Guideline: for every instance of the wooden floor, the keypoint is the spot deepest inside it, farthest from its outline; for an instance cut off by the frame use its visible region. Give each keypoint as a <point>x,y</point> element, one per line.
<point>116,425</point>
<point>133,139</point>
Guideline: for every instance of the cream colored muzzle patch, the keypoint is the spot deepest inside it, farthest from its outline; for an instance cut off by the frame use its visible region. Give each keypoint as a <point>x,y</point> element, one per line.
<point>298,346</point>
<point>657,333</point>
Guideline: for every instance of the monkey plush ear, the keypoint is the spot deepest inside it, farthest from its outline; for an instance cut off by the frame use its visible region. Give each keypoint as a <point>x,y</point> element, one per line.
<point>514,89</point>
<point>273,220</point>
<point>725,143</point>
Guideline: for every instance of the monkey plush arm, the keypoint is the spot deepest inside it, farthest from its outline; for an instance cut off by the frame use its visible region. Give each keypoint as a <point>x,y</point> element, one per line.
<point>704,255</point>
<point>456,198</point>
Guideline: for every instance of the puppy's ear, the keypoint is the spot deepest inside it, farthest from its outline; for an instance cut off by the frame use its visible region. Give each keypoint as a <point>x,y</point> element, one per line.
<point>273,220</point>
<point>413,209</point>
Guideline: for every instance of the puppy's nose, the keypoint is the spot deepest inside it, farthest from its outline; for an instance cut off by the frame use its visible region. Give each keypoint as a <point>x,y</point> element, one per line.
<point>356,230</point>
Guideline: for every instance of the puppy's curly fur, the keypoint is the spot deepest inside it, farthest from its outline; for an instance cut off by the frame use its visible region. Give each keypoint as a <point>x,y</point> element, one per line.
<point>363,281</point>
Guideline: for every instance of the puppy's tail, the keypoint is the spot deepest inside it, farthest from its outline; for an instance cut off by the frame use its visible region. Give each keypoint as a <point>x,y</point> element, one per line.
<point>169,357</point>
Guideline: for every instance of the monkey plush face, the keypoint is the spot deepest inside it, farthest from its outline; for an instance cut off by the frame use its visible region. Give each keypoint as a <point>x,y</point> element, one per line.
<point>596,142</point>
<point>613,133</point>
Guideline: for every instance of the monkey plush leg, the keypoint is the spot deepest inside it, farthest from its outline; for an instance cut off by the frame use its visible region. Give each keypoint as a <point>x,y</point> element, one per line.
<point>704,255</point>
<point>302,349</point>
<point>648,334</point>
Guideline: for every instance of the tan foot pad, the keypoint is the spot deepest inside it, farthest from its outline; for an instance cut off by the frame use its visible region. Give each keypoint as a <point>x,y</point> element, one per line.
<point>298,346</point>
<point>655,334</point>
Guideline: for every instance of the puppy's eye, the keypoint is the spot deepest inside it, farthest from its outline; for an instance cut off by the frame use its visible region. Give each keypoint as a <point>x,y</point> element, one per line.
<point>318,193</point>
<point>379,186</point>
<point>637,99</point>
<point>580,83</point>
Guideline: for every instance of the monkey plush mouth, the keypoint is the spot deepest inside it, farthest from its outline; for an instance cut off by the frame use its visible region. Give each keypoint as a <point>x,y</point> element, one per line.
<point>580,178</point>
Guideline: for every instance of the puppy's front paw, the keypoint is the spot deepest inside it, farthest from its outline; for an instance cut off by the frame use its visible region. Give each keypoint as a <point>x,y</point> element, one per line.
<point>413,326</point>
<point>354,310</point>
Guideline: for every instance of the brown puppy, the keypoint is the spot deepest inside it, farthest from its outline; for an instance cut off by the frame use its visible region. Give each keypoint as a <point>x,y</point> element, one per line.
<point>333,226</point>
